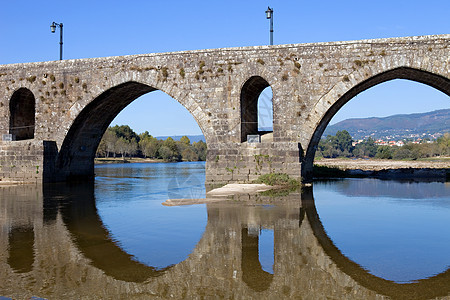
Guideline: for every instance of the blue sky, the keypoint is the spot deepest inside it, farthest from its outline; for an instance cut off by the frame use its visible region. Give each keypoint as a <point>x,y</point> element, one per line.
<point>109,28</point>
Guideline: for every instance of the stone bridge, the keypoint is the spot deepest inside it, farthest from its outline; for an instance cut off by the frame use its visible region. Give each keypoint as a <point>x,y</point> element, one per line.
<point>58,111</point>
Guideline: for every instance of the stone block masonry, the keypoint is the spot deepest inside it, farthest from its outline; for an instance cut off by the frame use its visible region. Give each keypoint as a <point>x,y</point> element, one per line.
<point>71,103</point>
<point>27,161</point>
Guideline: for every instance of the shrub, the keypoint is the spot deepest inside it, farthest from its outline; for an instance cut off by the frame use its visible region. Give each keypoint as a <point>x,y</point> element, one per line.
<point>280,179</point>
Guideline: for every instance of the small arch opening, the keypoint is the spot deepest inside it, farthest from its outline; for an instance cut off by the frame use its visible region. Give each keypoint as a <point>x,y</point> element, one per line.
<point>256,109</point>
<point>22,110</point>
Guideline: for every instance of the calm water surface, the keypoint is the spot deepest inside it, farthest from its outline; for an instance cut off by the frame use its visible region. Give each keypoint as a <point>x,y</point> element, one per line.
<point>352,239</point>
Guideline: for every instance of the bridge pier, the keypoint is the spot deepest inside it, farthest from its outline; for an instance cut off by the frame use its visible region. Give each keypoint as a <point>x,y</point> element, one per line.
<point>245,162</point>
<point>28,161</point>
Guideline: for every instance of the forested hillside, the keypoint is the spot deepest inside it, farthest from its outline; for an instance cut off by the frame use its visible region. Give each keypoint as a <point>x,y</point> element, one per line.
<point>397,126</point>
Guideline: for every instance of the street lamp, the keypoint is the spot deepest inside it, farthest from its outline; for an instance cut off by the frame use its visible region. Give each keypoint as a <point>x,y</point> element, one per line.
<point>269,15</point>
<point>53,29</point>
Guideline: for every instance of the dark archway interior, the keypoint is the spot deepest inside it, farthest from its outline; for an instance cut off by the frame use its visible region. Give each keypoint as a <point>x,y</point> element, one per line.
<point>438,82</point>
<point>249,105</point>
<point>76,157</point>
<point>22,114</point>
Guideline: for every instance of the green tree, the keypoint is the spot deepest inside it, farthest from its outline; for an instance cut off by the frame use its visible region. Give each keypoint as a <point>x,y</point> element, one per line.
<point>336,146</point>
<point>384,152</point>
<point>149,145</point>
<point>110,140</point>
<point>185,140</point>
<point>122,146</point>
<point>124,131</point>
<point>172,152</point>
<point>189,154</point>
<point>443,145</point>
<point>201,149</point>
<point>344,142</point>
<point>132,147</point>
<point>366,148</point>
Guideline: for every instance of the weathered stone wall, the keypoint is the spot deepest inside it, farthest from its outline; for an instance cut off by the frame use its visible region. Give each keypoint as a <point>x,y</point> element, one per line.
<point>21,161</point>
<point>77,99</point>
<point>27,161</point>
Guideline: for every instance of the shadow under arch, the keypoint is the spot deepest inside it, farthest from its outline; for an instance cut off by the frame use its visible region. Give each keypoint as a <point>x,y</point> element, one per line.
<point>432,287</point>
<point>92,239</point>
<point>250,92</point>
<point>76,156</point>
<point>22,110</point>
<point>436,81</point>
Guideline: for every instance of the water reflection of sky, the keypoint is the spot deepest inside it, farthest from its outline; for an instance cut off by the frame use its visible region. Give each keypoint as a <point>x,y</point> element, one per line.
<point>128,200</point>
<point>400,238</point>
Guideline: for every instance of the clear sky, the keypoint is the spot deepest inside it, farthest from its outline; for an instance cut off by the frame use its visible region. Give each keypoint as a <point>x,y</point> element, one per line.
<point>109,28</point>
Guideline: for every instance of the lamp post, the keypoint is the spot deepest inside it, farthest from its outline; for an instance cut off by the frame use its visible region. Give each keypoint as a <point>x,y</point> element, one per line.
<point>53,29</point>
<point>269,15</point>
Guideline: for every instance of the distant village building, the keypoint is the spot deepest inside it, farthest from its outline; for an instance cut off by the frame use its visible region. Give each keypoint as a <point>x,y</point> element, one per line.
<point>391,143</point>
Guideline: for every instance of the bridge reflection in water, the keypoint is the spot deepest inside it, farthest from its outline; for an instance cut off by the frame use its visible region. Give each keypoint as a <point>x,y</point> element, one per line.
<point>53,244</point>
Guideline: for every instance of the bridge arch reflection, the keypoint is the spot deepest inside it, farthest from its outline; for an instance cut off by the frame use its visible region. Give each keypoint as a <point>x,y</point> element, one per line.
<point>306,261</point>
<point>435,286</point>
<point>227,230</point>
<point>89,234</point>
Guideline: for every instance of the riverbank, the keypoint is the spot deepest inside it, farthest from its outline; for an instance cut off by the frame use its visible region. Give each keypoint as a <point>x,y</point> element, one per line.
<point>120,160</point>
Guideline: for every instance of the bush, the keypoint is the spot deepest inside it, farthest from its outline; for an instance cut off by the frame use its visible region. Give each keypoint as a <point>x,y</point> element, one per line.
<point>279,179</point>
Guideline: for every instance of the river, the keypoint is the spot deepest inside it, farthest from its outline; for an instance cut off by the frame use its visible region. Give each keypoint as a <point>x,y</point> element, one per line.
<point>343,239</point>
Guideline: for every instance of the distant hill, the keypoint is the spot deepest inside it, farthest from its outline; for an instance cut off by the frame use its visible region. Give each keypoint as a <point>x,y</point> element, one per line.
<point>429,123</point>
<point>192,138</point>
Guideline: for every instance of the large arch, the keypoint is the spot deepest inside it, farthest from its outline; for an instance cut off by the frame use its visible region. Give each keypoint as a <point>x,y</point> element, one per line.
<point>76,156</point>
<point>22,110</point>
<point>434,80</point>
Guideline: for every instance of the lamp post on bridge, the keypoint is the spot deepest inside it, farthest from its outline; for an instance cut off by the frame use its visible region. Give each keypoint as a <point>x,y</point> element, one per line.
<point>269,15</point>
<point>53,29</point>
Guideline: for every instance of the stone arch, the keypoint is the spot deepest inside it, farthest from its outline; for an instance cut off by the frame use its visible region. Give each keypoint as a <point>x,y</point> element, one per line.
<point>76,156</point>
<point>22,109</point>
<point>250,92</point>
<point>332,106</point>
